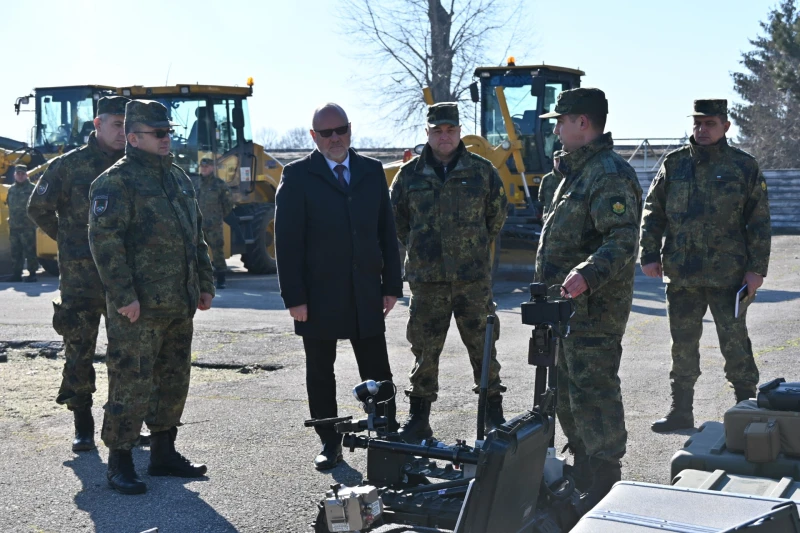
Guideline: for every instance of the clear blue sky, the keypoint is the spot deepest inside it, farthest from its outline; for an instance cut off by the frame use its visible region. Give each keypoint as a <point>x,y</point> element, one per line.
<point>652,58</point>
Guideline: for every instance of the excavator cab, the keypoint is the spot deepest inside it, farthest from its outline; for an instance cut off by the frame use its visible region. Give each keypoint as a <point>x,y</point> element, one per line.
<point>530,91</point>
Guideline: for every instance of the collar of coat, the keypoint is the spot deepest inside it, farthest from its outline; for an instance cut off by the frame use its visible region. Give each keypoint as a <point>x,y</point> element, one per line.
<point>705,153</point>
<point>94,147</point>
<point>148,160</point>
<point>319,167</point>
<point>571,163</point>
<point>426,162</point>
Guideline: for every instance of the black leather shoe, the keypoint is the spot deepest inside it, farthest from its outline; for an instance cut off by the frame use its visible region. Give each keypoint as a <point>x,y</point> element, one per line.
<point>329,457</point>
<point>121,474</point>
<point>84,430</point>
<point>30,279</point>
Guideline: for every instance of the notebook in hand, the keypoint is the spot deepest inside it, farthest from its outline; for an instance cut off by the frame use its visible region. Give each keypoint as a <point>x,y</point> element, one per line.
<point>743,299</point>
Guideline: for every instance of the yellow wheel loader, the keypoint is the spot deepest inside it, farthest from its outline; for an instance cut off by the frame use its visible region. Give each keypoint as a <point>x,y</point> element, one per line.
<point>213,121</point>
<point>519,144</point>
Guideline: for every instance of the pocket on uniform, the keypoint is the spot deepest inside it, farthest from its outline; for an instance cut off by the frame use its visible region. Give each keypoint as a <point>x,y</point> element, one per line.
<point>677,197</point>
<point>471,208</point>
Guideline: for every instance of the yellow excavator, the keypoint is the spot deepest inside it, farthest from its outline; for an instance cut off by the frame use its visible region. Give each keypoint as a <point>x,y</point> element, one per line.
<point>213,121</point>
<point>520,145</point>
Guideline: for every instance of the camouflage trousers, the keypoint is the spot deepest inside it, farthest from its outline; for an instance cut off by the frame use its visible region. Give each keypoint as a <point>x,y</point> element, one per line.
<point>686,307</point>
<point>430,309</point>
<point>216,243</point>
<point>589,404</point>
<point>77,320</point>
<point>149,363</point>
<point>23,246</point>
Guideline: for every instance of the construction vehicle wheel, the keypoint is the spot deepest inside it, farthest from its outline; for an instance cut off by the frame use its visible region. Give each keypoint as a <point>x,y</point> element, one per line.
<point>260,256</point>
<point>50,266</point>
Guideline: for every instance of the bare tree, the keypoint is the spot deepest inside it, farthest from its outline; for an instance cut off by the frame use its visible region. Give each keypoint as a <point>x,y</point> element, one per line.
<point>412,44</point>
<point>266,137</point>
<point>295,138</point>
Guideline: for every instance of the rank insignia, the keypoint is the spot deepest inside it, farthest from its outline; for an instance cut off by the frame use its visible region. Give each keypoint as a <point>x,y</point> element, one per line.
<point>618,205</point>
<point>763,185</point>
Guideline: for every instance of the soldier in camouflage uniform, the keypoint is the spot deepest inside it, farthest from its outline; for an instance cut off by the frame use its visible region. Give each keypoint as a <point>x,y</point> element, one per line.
<point>216,203</point>
<point>709,201</point>
<point>60,207</point>
<point>588,248</point>
<point>145,233</point>
<point>547,190</point>
<point>449,206</point>
<point>22,230</point>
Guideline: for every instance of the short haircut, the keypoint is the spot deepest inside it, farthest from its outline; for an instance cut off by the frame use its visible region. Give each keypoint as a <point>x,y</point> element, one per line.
<point>321,109</point>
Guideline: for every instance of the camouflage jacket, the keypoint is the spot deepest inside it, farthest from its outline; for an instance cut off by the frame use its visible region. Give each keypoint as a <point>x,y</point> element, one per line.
<point>60,207</point>
<point>448,226</point>
<point>17,201</point>
<point>547,190</point>
<point>145,232</point>
<point>214,199</point>
<point>592,228</point>
<point>710,204</point>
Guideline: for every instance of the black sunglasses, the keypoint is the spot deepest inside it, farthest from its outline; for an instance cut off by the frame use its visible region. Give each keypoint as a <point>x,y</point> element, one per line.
<point>341,130</point>
<point>160,134</point>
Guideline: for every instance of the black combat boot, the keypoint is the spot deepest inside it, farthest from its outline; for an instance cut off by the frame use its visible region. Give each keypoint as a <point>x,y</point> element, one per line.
<point>604,475</point>
<point>220,280</point>
<point>84,429</point>
<point>680,413</point>
<point>417,426</point>
<point>745,392</point>
<point>165,461</point>
<point>494,413</point>
<point>580,470</point>
<point>122,475</point>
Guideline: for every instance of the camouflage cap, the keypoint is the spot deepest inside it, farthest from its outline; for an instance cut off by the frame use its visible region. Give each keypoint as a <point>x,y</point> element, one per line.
<point>112,105</point>
<point>578,102</point>
<point>148,112</point>
<point>443,113</point>
<point>710,108</point>
<point>206,161</point>
<point>20,168</point>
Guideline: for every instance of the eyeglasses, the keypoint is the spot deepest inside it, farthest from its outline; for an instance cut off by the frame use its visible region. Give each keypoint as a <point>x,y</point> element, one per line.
<point>160,134</point>
<point>341,130</point>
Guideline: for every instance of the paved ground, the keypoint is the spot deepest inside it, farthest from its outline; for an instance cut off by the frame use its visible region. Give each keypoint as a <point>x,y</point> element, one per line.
<point>248,426</point>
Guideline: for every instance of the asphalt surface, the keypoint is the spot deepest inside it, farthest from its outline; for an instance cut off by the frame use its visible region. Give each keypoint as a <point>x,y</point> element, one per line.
<point>248,425</point>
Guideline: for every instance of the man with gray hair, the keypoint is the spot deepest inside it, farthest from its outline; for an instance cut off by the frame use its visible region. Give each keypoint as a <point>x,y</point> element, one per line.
<point>60,207</point>
<point>338,266</point>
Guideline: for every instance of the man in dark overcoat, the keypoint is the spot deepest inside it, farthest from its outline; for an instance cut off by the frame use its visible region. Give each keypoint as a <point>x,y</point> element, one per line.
<point>338,266</point>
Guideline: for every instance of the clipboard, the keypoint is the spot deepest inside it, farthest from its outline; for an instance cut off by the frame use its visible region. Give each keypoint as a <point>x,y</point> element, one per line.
<point>743,300</point>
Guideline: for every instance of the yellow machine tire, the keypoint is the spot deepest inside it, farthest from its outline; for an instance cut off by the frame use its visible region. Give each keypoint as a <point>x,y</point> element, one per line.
<point>260,256</point>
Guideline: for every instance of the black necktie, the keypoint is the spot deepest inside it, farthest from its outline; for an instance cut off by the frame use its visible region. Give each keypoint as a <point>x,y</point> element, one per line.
<point>340,172</point>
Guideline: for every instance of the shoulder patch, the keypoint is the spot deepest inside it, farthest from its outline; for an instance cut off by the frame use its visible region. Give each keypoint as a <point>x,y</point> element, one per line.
<point>763,185</point>
<point>42,186</point>
<point>618,205</point>
<point>100,204</point>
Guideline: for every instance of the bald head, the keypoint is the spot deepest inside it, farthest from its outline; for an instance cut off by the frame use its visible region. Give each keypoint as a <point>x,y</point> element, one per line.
<point>330,130</point>
<point>328,110</point>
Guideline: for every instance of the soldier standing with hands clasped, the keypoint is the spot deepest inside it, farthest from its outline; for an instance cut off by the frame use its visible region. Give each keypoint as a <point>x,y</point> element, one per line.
<point>709,201</point>
<point>449,205</point>
<point>60,207</point>
<point>214,198</point>
<point>145,232</point>
<point>21,229</point>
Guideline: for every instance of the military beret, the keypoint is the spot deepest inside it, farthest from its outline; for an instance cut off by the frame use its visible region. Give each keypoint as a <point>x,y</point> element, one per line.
<point>206,161</point>
<point>20,168</point>
<point>583,100</point>
<point>443,113</point>
<point>148,112</point>
<point>710,108</point>
<point>112,105</point>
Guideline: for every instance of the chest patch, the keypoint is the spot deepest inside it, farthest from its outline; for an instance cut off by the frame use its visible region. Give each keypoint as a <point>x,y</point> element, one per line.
<point>99,205</point>
<point>618,205</point>
<point>41,189</point>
